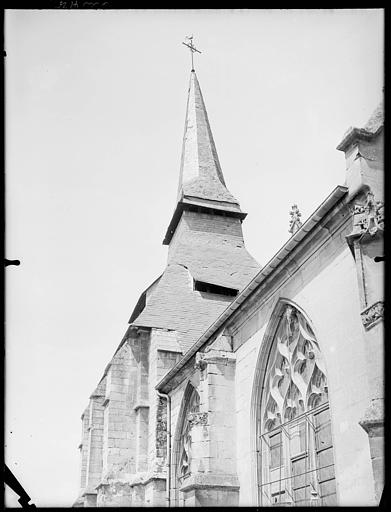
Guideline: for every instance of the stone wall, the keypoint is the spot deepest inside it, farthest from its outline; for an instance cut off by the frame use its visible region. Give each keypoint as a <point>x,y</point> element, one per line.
<point>212,473</point>
<point>120,442</point>
<point>320,279</point>
<point>328,294</point>
<point>95,443</point>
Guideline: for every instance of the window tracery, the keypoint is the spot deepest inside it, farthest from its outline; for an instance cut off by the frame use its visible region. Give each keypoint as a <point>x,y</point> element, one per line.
<point>296,379</point>
<point>296,452</point>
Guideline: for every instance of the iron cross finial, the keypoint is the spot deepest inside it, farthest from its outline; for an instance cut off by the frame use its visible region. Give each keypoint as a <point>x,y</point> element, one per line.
<point>192,48</point>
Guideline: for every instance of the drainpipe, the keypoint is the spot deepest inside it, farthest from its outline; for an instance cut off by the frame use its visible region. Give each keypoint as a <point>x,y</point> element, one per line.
<point>168,482</point>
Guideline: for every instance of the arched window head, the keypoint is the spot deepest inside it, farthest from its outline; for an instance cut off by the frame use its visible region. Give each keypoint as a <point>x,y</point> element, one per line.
<point>296,380</point>
<point>192,406</point>
<point>295,447</point>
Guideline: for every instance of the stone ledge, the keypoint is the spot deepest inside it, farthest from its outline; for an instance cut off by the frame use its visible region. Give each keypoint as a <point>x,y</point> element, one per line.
<point>89,491</point>
<point>108,481</point>
<point>141,405</point>
<point>210,480</point>
<point>213,357</point>
<point>141,478</point>
<point>154,476</point>
<point>373,420</point>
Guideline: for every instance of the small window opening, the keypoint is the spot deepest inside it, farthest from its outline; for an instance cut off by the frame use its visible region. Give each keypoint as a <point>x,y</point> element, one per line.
<point>201,286</point>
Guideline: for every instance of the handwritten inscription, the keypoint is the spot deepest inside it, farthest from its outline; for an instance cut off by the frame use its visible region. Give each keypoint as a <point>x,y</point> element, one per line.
<point>75,4</point>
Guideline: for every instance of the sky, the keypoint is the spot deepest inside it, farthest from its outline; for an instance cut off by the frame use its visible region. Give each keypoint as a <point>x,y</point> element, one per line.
<point>95,108</point>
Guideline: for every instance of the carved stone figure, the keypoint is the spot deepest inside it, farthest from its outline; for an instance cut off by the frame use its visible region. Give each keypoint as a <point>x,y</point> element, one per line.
<point>372,314</point>
<point>191,416</point>
<point>369,216</point>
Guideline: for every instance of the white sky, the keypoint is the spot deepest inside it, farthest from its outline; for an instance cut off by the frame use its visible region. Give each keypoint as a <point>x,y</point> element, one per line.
<point>95,108</point>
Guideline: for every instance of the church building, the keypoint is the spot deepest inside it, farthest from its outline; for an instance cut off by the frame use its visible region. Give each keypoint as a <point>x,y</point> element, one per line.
<point>240,384</point>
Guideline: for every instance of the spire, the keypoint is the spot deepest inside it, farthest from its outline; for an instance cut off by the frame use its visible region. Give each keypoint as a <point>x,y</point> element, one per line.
<point>201,181</point>
<point>200,175</point>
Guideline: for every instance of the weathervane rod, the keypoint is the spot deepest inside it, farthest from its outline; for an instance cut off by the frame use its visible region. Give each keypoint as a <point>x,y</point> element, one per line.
<point>192,49</point>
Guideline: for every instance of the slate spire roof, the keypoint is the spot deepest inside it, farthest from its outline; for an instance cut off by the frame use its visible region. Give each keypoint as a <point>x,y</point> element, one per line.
<point>207,256</point>
<point>201,180</point>
<point>200,174</point>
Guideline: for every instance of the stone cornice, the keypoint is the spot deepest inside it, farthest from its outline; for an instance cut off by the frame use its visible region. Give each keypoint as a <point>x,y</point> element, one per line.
<point>355,134</point>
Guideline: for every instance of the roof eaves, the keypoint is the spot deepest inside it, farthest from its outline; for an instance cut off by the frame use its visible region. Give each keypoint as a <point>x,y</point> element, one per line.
<point>291,244</point>
<point>188,204</point>
<point>141,301</point>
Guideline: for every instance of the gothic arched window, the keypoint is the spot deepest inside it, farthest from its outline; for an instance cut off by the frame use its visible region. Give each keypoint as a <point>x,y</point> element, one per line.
<point>184,455</point>
<point>295,445</point>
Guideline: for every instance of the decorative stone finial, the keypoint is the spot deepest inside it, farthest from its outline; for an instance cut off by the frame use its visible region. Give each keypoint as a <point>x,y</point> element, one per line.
<point>295,222</point>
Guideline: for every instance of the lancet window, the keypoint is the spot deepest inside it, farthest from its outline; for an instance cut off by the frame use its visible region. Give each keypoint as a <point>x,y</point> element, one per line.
<point>184,459</point>
<point>296,451</point>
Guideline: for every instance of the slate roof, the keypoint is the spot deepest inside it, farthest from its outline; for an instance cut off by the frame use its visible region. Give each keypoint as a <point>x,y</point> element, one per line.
<point>200,173</point>
<point>174,304</point>
<point>207,247</point>
<point>376,121</point>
